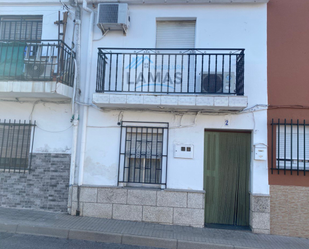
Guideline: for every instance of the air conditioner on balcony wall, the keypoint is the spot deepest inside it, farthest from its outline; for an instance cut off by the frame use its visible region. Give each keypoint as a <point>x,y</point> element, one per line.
<point>212,83</point>
<point>38,70</point>
<point>113,16</point>
<point>36,65</point>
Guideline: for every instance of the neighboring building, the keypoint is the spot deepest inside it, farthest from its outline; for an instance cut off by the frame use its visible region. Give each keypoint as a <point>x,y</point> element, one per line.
<point>288,137</point>
<point>169,122</point>
<point>36,87</point>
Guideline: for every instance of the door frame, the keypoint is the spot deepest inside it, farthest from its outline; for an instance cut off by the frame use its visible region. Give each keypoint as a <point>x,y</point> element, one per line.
<point>250,131</point>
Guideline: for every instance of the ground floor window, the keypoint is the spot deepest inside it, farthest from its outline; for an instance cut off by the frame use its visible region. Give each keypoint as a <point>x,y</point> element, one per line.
<point>16,139</point>
<point>143,153</point>
<point>290,146</point>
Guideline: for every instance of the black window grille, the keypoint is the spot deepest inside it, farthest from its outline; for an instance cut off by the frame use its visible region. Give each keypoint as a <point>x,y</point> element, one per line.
<point>16,140</point>
<point>20,27</point>
<point>289,146</point>
<point>143,153</point>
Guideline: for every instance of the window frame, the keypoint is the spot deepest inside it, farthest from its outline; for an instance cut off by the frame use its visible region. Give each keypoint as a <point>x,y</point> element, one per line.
<point>294,137</point>
<point>145,133</point>
<point>21,134</point>
<point>35,22</point>
<point>179,21</point>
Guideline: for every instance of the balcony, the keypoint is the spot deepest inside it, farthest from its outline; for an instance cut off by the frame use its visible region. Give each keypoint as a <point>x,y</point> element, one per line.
<point>36,69</point>
<point>188,79</point>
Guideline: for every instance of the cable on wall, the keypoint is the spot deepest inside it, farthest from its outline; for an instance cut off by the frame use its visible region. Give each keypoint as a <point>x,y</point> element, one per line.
<point>53,131</point>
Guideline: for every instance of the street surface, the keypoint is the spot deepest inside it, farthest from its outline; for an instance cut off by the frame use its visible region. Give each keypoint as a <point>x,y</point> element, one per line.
<point>21,241</point>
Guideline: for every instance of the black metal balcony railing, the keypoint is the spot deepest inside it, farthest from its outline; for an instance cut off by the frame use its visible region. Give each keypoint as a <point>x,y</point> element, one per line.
<point>40,60</point>
<point>181,71</point>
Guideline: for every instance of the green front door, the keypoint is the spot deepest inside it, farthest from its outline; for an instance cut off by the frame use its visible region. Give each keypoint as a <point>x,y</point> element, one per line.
<point>226,177</point>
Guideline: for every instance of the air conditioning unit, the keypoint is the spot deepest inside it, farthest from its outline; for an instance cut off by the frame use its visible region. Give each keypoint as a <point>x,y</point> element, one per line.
<point>113,16</point>
<point>36,65</point>
<point>38,70</point>
<point>212,83</point>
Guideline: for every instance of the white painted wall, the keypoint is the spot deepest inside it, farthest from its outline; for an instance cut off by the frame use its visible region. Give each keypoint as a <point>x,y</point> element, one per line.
<point>217,26</point>
<point>53,133</point>
<point>103,137</point>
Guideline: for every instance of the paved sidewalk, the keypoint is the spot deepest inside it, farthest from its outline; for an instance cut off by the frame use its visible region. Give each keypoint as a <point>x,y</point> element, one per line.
<point>138,233</point>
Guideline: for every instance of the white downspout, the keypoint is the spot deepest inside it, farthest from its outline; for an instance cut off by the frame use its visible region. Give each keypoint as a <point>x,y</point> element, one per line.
<point>74,142</point>
<point>75,121</point>
<point>75,129</point>
<point>86,96</point>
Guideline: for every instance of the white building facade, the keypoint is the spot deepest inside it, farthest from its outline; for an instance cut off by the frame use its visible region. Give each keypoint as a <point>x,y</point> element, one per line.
<point>165,120</point>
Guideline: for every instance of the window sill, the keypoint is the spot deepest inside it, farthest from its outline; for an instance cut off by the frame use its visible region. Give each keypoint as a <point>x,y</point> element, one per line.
<point>16,171</point>
<point>142,185</point>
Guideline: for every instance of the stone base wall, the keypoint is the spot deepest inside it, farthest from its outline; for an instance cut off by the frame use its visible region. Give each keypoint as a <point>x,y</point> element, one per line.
<point>289,211</point>
<point>148,205</point>
<point>260,213</point>
<point>45,187</point>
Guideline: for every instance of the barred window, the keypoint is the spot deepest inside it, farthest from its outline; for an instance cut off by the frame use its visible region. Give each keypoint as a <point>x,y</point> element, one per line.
<point>143,153</point>
<point>15,145</point>
<point>20,27</point>
<point>291,146</point>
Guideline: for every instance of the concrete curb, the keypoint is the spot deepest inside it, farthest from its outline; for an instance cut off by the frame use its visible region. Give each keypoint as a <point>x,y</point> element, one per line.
<point>45,231</point>
<point>149,241</point>
<point>125,239</point>
<point>8,228</point>
<point>95,236</point>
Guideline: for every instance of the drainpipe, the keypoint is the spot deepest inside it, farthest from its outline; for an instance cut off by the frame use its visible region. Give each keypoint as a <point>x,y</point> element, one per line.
<point>74,142</point>
<point>75,108</point>
<point>86,101</point>
<point>74,145</point>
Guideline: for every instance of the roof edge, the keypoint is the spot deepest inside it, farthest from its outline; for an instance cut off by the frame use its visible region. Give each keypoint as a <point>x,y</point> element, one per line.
<point>135,2</point>
<point>170,2</point>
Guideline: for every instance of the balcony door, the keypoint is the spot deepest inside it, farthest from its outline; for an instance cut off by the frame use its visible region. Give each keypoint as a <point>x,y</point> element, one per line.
<point>174,65</point>
<point>226,177</point>
<point>175,34</point>
<point>18,50</point>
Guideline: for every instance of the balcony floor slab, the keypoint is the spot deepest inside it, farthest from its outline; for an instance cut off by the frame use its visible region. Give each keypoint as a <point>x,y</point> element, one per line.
<point>34,89</point>
<point>170,102</point>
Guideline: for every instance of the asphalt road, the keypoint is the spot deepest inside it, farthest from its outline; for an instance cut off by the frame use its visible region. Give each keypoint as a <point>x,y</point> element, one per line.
<point>21,241</point>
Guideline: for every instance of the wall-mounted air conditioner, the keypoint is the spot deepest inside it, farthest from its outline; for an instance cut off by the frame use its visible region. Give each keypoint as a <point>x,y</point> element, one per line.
<point>218,83</point>
<point>113,16</point>
<point>38,66</point>
<point>38,70</point>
